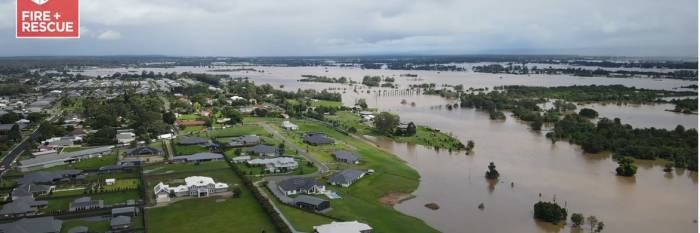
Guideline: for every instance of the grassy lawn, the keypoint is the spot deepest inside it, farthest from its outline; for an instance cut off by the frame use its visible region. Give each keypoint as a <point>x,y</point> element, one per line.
<point>160,169</point>
<point>123,184</point>
<point>108,198</point>
<point>326,103</point>
<point>189,149</point>
<point>188,117</point>
<point>85,164</point>
<point>242,214</point>
<point>424,135</point>
<point>93,226</point>
<point>237,130</point>
<point>191,129</point>
<point>361,201</point>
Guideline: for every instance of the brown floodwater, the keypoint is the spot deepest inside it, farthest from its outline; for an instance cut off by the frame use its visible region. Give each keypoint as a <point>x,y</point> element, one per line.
<point>529,163</point>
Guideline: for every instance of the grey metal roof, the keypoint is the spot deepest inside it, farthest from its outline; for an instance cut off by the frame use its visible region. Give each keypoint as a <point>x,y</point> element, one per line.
<point>192,140</point>
<point>124,210</point>
<point>318,138</point>
<point>33,225</point>
<point>297,183</point>
<point>346,155</point>
<point>120,220</point>
<point>309,200</point>
<point>6,127</point>
<point>264,149</point>
<point>199,156</point>
<point>22,205</point>
<point>346,176</point>
<point>144,150</point>
<point>48,177</point>
<point>28,190</point>
<point>65,156</point>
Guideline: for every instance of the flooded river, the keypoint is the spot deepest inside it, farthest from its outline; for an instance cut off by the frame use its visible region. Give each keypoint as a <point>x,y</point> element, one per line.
<point>532,167</point>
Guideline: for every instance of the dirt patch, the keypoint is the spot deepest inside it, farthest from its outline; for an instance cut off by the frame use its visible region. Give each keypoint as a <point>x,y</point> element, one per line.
<point>395,198</point>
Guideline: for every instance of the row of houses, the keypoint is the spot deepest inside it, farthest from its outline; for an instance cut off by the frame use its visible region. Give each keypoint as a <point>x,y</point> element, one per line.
<point>50,160</point>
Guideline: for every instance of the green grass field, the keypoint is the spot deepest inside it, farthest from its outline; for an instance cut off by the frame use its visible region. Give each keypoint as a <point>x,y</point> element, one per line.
<point>108,198</point>
<point>161,169</point>
<point>326,103</point>
<point>189,149</point>
<point>361,201</point>
<point>302,220</point>
<point>234,215</point>
<point>93,226</point>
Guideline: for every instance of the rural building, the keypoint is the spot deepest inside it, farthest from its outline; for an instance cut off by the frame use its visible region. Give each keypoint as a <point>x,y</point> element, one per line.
<point>244,141</point>
<point>46,161</point>
<point>311,203</point>
<point>298,185</point>
<point>346,177</point>
<point>317,139</point>
<point>198,157</point>
<point>289,125</point>
<point>278,164</point>
<point>126,137</point>
<point>264,150</point>
<point>195,186</point>
<point>120,223</point>
<point>33,225</point>
<point>346,157</point>
<point>23,206</point>
<point>125,211</point>
<point>85,203</point>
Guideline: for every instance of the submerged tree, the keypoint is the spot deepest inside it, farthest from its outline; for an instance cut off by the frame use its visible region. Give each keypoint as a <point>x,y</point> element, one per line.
<point>492,173</point>
<point>470,146</point>
<point>550,212</point>
<point>626,167</point>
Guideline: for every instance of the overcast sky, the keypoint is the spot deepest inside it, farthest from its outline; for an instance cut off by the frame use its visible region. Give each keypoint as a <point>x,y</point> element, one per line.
<point>359,27</point>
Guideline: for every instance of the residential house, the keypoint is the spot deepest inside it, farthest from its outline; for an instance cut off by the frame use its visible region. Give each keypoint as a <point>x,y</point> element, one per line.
<point>346,157</point>
<point>22,206</point>
<point>33,225</point>
<point>198,157</point>
<point>125,137</point>
<point>344,227</point>
<point>120,223</point>
<point>125,211</point>
<point>85,203</point>
<point>241,159</point>
<point>51,177</point>
<point>311,203</point>
<point>143,154</point>
<point>317,139</point>
<point>346,177</point>
<point>244,141</point>
<point>287,125</point>
<point>298,185</point>
<point>46,161</point>
<point>31,190</point>
<point>274,165</point>
<point>264,150</point>
<point>195,186</point>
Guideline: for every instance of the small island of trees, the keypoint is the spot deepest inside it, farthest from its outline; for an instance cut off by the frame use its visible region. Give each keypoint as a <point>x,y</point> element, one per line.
<point>550,212</point>
<point>492,173</point>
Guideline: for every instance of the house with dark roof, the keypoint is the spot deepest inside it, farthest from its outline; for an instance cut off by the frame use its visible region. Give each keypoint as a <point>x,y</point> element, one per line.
<point>244,141</point>
<point>85,203</point>
<point>125,211</point>
<point>143,151</point>
<point>31,190</point>
<point>346,157</point>
<point>198,157</point>
<point>120,223</point>
<point>33,225</point>
<point>264,150</point>
<point>346,177</point>
<point>311,203</point>
<point>184,140</point>
<point>46,161</point>
<point>50,177</point>
<point>316,139</point>
<point>142,154</point>
<point>297,185</point>
<point>23,206</point>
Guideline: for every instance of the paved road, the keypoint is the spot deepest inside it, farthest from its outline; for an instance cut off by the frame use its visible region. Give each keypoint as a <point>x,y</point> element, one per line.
<point>274,206</point>
<point>19,148</point>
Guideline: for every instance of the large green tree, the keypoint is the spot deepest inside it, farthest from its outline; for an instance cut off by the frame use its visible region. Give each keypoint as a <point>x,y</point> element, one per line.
<point>386,122</point>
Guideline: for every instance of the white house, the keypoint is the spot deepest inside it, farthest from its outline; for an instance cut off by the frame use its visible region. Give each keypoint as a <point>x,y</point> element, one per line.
<point>289,125</point>
<point>195,186</point>
<point>279,164</point>
<point>126,137</point>
<point>110,181</point>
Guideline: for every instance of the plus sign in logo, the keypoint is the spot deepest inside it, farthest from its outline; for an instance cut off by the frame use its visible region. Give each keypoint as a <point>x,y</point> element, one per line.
<point>48,19</point>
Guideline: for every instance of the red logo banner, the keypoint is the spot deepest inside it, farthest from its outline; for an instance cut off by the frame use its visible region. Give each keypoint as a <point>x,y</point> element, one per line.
<point>48,19</point>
